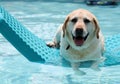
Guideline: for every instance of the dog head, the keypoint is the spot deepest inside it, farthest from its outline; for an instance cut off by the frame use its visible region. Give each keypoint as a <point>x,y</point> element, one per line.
<point>79,26</point>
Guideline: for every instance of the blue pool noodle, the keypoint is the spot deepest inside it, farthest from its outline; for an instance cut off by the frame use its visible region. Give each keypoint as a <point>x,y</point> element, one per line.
<point>35,49</point>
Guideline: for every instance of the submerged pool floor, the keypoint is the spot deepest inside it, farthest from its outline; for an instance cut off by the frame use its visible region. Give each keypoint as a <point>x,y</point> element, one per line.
<point>42,18</point>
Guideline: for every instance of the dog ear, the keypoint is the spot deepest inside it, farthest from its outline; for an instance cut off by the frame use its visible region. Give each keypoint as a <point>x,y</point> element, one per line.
<point>97,28</point>
<point>65,25</point>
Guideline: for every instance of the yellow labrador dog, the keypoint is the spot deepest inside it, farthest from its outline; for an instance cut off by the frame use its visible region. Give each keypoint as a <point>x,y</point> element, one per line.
<point>80,39</point>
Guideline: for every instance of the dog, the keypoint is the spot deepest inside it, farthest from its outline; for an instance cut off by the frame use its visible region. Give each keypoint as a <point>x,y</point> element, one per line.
<point>80,39</point>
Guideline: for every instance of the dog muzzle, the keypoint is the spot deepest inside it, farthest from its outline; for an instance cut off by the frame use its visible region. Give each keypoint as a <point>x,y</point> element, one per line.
<point>79,40</point>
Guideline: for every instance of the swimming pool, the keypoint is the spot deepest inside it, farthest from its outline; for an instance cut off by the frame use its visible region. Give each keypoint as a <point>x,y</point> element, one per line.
<point>48,15</point>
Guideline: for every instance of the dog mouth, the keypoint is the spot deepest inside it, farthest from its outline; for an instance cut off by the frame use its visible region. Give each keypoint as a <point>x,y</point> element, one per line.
<point>79,40</point>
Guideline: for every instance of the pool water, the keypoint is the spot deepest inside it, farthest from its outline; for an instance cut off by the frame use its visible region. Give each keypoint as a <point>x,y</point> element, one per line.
<point>42,18</point>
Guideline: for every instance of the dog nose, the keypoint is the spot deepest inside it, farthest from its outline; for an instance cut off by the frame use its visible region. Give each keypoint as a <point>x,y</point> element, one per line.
<point>79,32</point>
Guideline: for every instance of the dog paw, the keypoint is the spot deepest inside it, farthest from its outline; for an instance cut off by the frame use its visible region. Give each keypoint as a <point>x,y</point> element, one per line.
<point>51,44</point>
<point>80,73</point>
<point>96,68</point>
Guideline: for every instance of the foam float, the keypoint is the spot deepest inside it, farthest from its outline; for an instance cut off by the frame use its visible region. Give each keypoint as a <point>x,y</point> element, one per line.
<point>35,49</point>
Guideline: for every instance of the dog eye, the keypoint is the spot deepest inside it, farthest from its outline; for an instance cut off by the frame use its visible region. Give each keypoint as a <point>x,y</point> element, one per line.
<point>86,20</point>
<point>74,20</point>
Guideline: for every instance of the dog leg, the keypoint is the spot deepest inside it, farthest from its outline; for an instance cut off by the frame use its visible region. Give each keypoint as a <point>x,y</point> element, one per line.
<point>54,44</point>
<point>75,66</point>
<point>95,65</point>
<point>56,41</point>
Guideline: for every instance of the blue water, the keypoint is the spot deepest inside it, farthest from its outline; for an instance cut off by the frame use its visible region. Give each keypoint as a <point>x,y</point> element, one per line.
<point>42,18</point>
